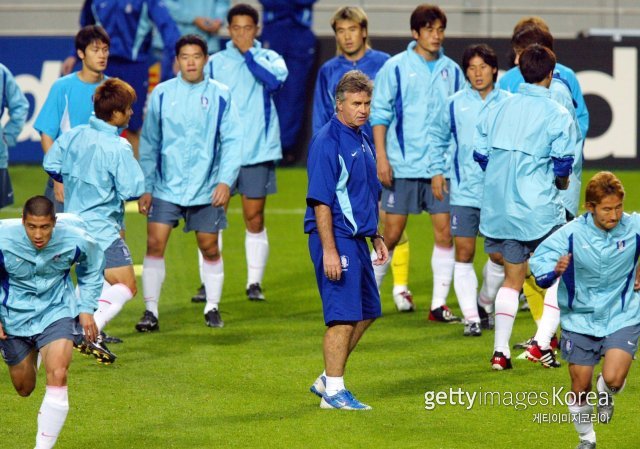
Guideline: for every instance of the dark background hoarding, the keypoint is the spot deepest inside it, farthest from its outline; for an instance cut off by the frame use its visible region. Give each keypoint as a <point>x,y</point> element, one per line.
<point>607,71</point>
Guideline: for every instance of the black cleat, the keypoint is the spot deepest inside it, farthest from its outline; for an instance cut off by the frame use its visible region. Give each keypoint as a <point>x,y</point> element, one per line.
<point>148,322</point>
<point>110,338</point>
<point>200,296</point>
<point>212,318</point>
<point>254,292</point>
<point>100,351</point>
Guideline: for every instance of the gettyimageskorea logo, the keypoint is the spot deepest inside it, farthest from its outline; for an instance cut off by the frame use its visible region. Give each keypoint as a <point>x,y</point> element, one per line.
<point>519,401</point>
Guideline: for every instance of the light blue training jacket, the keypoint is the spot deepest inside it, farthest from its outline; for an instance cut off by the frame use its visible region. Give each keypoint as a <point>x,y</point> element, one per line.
<point>570,198</point>
<point>524,142</point>
<point>253,79</point>
<point>455,122</point>
<point>191,141</point>
<point>405,99</point>
<point>35,287</point>
<point>99,172</point>
<point>595,294</point>
<point>512,79</point>
<point>12,98</point>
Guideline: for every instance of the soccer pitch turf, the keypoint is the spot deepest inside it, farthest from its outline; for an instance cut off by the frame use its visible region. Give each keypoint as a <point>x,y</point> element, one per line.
<point>247,385</point>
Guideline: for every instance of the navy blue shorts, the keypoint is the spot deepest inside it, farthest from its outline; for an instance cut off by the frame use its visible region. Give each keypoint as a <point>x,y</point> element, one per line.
<point>117,255</point>
<point>465,221</point>
<point>48,192</point>
<point>256,181</point>
<point>204,218</point>
<point>586,350</point>
<point>412,196</point>
<point>15,349</point>
<point>136,74</point>
<point>514,251</point>
<point>355,296</point>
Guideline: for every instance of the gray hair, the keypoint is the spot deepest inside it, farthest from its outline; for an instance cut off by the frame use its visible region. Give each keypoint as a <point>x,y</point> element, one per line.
<point>354,81</point>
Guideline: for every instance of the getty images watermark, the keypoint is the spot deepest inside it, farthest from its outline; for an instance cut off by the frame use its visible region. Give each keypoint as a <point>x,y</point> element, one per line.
<point>518,400</point>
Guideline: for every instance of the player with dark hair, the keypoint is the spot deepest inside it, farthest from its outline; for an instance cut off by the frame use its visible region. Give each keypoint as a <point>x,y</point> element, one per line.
<point>594,258</point>
<point>99,172</point>
<point>70,100</point>
<point>130,24</point>
<point>526,147</point>
<point>342,211</point>
<point>402,109</point>
<point>254,74</point>
<point>456,122</point>
<point>39,305</point>
<point>190,153</point>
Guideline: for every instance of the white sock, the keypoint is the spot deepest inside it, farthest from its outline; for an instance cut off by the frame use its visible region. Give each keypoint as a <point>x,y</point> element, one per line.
<point>53,413</point>
<point>602,386</point>
<point>442,263</point>
<point>492,279</point>
<point>548,324</point>
<point>583,426</point>
<point>213,277</point>
<point>257,251</point>
<point>506,308</point>
<point>380,270</point>
<point>200,259</point>
<point>334,385</point>
<point>465,283</point>
<point>399,289</point>
<point>110,304</point>
<point>153,273</point>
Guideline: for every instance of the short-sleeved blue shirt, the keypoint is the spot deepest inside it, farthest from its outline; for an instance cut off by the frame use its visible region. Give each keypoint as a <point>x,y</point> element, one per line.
<point>69,104</point>
<point>341,168</point>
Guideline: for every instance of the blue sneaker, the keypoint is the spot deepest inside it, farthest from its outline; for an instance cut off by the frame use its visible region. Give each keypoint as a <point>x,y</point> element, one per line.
<point>342,400</point>
<point>319,386</point>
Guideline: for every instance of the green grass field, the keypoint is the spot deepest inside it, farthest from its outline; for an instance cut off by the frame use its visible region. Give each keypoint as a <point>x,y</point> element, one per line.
<point>246,385</point>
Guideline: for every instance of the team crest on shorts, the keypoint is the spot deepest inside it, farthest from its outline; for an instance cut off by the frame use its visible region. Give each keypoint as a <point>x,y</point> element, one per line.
<point>568,345</point>
<point>344,262</point>
<point>391,201</point>
<point>454,221</point>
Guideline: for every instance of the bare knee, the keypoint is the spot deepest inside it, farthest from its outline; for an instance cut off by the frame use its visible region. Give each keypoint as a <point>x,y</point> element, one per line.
<point>255,222</point>
<point>57,377</point>
<point>25,390</point>
<point>155,246</point>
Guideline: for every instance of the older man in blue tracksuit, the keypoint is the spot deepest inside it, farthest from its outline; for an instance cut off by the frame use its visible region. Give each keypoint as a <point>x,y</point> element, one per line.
<point>595,258</point>
<point>99,173</point>
<point>287,30</point>
<point>407,90</point>
<point>526,146</point>
<point>39,304</point>
<point>456,122</point>
<point>14,100</point>
<point>342,210</point>
<point>190,153</point>
<point>253,75</point>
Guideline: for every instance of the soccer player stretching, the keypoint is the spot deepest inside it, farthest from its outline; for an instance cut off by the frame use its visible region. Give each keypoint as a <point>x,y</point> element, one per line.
<point>595,257</point>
